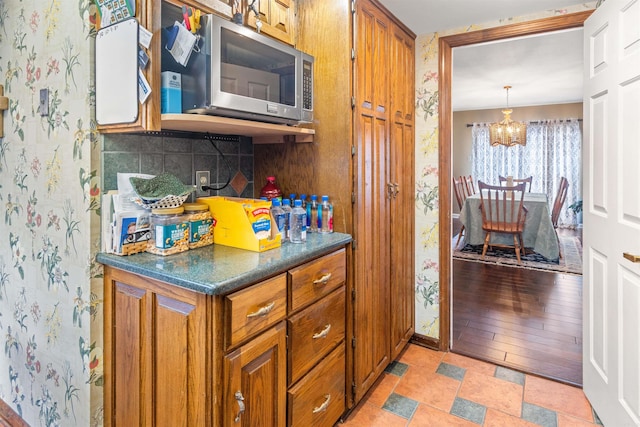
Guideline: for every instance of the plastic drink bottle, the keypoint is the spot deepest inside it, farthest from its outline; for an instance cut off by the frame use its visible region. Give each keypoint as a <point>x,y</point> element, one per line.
<point>271,190</point>
<point>312,215</point>
<point>325,214</point>
<point>286,207</point>
<point>298,233</point>
<point>279,217</point>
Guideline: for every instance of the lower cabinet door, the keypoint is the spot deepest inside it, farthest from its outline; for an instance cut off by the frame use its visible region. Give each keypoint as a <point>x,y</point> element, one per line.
<point>255,381</point>
<point>155,354</point>
<point>318,399</point>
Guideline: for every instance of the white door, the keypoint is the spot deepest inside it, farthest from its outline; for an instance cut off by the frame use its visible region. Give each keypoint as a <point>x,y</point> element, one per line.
<point>611,164</point>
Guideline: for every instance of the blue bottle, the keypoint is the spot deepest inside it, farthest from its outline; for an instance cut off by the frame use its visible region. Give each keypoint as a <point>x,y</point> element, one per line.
<point>278,216</point>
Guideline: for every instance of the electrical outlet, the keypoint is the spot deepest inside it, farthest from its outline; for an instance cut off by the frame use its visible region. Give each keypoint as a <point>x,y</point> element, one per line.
<point>202,180</point>
<point>43,108</point>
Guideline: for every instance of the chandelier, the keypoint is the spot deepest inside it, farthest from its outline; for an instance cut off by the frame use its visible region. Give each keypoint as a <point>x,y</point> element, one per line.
<point>507,132</point>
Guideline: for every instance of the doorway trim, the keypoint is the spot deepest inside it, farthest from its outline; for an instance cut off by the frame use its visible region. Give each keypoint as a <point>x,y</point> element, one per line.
<point>445,123</point>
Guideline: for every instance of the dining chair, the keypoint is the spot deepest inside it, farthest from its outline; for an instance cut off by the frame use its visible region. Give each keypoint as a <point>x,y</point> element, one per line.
<point>561,196</point>
<point>503,180</point>
<point>503,211</point>
<point>459,191</point>
<point>469,185</point>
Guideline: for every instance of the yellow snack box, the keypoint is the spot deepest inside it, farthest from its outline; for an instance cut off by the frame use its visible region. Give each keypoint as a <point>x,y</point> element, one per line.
<point>242,223</point>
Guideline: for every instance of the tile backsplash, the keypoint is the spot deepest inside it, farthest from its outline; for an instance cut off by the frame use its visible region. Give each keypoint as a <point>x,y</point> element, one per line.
<point>182,157</point>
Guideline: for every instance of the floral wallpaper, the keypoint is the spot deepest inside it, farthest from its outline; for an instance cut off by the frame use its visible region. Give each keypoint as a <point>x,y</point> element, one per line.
<point>427,227</point>
<point>50,286</point>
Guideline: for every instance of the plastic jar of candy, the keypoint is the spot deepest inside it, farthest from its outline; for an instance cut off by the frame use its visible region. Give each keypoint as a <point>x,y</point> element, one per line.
<point>169,231</point>
<point>200,224</point>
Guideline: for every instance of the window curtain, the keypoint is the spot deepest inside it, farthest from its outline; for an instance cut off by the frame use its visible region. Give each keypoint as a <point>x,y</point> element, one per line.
<point>553,150</point>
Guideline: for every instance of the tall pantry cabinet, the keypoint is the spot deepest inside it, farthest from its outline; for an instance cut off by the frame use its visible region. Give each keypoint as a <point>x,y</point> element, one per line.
<point>402,178</point>
<point>362,157</point>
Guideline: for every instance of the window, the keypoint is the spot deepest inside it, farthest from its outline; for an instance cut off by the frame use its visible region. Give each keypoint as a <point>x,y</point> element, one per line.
<point>553,150</point>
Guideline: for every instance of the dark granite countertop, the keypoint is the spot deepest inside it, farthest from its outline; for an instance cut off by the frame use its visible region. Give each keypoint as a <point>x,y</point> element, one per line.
<point>218,269</point>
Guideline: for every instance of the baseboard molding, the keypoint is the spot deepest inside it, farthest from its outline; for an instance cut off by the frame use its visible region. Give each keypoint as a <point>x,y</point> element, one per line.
<point>425,341</point>
<point>9,417</point>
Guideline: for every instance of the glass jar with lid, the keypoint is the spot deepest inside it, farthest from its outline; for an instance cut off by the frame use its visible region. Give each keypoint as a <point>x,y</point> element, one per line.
<point>200,224</point>
<point>169,231</point>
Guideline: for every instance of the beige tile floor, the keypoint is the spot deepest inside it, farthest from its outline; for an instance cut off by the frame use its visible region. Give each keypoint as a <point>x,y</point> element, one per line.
<point>430,388</point>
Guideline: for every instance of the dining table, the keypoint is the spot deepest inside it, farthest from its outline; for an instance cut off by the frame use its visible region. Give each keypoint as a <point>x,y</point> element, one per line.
<point>538,234</point>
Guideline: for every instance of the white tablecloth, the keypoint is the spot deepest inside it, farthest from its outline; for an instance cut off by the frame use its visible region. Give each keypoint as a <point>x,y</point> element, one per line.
<point>538,234</point>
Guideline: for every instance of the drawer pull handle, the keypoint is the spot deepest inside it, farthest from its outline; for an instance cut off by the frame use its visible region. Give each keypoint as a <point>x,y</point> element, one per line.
<point>631,257</point>
<point>263,310</point>
<point>240,399</point>
<point>323,280</point>
<point>324,406</point>
<point>323,333</point>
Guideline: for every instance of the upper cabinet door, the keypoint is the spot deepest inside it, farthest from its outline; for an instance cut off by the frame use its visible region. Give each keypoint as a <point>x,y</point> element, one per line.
<point>277,18</point>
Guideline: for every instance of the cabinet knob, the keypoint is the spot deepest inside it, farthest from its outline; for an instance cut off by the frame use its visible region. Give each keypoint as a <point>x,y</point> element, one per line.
<point>263,310</point>
<point>324,406</point>
<point>240,399</point>
<point>323,333</point>
<point>323,280</point>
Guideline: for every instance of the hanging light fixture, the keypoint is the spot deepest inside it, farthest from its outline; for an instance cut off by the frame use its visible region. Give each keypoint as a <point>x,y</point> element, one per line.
<point>507,132</point>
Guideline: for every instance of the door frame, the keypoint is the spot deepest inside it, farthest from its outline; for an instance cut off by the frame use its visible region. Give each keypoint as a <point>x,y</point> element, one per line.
<point>445,123</point>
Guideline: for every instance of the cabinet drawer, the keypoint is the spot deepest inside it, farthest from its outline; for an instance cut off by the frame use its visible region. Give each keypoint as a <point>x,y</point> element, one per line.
<point>315,279</point>
<point>319,398</point>
<point>254,309</point>
<point>314,332</point>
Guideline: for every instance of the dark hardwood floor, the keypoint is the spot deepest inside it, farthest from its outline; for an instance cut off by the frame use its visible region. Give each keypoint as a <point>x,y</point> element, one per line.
<point>527,320</point>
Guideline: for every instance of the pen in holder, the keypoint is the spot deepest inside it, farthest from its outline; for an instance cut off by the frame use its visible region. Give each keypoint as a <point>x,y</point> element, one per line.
<point>181,42</point>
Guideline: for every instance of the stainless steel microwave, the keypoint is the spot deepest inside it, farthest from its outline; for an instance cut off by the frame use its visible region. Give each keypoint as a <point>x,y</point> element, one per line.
<point>243,74</point>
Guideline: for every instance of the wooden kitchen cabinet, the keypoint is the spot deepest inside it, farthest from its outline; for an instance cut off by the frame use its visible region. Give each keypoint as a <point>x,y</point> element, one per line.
<point>157,351</point>
<point>177,357</point>
<point>255,381</point>
<point>316,350</point>
<point>149,16</point>
<point>363,158</point>
<point>278,21</point>
<point>373,195</point>
<point>384,176</point>
<point>255,374</point>
<point>401,182</point>
<point>277,18</point>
